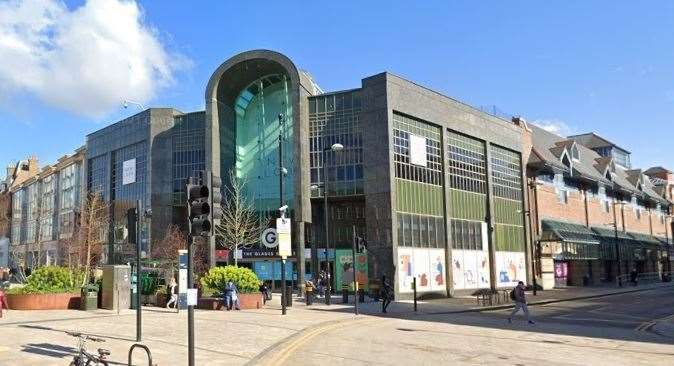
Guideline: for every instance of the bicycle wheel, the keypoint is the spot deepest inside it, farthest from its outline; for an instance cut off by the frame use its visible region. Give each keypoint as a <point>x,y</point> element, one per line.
<point>97,363</point>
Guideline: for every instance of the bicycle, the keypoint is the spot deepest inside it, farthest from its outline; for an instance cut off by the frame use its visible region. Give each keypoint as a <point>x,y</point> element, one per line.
<point>84,358</point>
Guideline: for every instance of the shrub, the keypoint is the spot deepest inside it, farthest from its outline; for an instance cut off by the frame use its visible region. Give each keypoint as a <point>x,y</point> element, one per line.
<point>244,279</point>
<point>52,280</point>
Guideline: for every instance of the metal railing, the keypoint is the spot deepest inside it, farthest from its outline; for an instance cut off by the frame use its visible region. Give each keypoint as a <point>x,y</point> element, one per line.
<point>649,277</point>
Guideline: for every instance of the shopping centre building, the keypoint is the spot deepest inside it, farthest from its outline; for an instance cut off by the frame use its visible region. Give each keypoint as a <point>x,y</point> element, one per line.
<point>441,192</point>
<point>435,186</point>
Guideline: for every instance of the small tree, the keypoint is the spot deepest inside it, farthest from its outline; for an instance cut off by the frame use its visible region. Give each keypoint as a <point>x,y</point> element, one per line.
<point>166,250</point>
<point>92,232</point>
<point>241,225</point>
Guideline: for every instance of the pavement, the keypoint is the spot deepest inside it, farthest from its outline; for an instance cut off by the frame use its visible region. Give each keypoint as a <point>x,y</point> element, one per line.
<point>635,325</point>
<point>599,330</point>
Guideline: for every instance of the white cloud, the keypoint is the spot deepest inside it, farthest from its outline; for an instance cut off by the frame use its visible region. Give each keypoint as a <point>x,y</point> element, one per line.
<point>84,60</point>
<point>555,126</point>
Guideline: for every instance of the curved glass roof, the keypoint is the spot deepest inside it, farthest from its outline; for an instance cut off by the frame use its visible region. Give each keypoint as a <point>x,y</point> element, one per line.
<point>249,92</point>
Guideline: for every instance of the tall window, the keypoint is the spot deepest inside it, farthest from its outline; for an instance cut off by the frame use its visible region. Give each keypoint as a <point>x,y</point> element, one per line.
<point>403,129</point>
<point>467,163</point>
<point>335,118</point>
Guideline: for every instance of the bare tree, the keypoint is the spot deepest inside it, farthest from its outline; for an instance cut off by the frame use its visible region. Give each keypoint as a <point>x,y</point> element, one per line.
<point>241,225</point>
<point>166,250</point>
<point>92,232</point>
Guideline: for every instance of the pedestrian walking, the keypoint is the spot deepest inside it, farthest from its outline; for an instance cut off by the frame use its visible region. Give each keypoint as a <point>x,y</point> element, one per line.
<point>173,292</point>
<point>3,302</point>
<point>520,299</point>
<point>633,276</point>
<point>265,293</point>
<point>387,294</point>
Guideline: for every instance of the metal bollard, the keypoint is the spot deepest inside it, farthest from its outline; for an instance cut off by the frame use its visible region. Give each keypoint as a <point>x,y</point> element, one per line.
<point>414,287</point>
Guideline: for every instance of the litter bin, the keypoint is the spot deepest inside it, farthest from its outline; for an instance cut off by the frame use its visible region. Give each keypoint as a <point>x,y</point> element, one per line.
<point>89,297</point>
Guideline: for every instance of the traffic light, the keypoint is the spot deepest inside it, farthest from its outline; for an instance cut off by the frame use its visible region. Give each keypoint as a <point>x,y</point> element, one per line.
<point>198,207</point>
<point>214,184</point>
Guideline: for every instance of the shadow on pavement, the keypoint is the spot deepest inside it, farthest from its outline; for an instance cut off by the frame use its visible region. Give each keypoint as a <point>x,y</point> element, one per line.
<point>50,350</point>
<point>613,317</point>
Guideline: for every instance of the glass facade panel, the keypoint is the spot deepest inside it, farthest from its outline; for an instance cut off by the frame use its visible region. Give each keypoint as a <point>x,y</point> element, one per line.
<point>257,110</point>
<point>338,122</point>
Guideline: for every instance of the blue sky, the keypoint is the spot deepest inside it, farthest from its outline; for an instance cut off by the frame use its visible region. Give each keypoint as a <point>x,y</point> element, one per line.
<point>604,66</point>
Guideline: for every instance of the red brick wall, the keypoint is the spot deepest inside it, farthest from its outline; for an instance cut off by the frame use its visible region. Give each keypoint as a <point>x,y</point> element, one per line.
<point>633,224</point>
<point>550,207</point>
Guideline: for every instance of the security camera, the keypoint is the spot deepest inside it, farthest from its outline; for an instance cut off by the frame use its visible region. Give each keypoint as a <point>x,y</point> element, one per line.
<point>283,208</point>
<point>125,104</point>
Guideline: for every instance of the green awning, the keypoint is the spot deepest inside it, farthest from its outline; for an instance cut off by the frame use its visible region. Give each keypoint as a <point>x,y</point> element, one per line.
<point>568,233</point>
<point>644,239</point>
<point>606,234</point>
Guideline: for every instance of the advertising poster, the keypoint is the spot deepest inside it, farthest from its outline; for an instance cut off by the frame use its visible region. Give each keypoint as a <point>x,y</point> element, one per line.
<point>405,269</point>
<point>470,269</point>
<point>510,268</point>
<point>344,272</point>
<point>437,262</point>
<point>427,265</point>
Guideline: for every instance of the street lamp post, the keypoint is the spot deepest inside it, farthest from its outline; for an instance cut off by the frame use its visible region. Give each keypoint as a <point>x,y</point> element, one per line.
<point>281,173</point>
<point>617,244</point>
<point>335,147</point>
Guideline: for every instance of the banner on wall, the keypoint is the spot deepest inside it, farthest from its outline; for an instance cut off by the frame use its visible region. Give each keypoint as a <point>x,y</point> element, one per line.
<point>343,269</point>
<point>470,269</point>
<point>427,265</point>
<point>510,268</point>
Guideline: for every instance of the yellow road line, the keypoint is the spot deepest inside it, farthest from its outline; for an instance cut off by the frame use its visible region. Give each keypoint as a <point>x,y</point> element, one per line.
<point>282,356</point>
<point>647,325</point>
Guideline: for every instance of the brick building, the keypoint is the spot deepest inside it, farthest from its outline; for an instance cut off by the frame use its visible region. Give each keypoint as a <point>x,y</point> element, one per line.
<point>594,216</point>
<point>44,207</point>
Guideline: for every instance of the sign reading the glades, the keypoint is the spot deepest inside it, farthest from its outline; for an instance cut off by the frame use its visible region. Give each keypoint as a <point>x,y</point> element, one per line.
<point>269,238</point>
<point>129,171</point>
<point>418,150</point>
<point>283,238</point>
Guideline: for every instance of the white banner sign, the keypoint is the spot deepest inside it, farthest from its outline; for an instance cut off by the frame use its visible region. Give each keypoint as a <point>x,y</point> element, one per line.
<point>192,298</point>
<point>129,172</point>
<point>418,150</point>
<point>283,237</point>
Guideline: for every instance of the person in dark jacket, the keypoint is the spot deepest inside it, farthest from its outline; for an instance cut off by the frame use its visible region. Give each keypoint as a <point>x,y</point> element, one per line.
<point>386,294</point>
<point>520,303</point>
<point>265,292</point>
<point>633,276</point>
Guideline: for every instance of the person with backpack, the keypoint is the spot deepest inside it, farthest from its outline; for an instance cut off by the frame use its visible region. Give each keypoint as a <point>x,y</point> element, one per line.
<point>518,295</point>
<point>265,292</point>
<point>173,292</point>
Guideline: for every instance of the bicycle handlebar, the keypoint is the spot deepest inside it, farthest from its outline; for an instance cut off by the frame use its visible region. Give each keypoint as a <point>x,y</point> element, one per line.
<point>80,335</point>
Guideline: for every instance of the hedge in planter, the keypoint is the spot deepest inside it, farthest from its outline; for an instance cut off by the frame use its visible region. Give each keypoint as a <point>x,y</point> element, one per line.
<point>51,280</point>
<point>246,281</point>
<point>49,287</point>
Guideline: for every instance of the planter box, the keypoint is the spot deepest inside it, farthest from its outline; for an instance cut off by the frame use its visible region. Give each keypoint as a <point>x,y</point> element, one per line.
<point>247,301</point>
<point>43,302</point>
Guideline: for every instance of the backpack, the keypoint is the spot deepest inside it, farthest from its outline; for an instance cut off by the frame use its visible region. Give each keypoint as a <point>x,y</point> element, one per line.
<point>512,294</point>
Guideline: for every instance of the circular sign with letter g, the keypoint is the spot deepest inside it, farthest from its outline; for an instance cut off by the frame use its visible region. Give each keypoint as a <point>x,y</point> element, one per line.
<point>268,238</point>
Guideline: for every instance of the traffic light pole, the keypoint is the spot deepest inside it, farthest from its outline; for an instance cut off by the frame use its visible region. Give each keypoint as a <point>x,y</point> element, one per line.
<point>280,188</point>
<point>139,323</point>
<point>353,267</point>
<point>190,308</point>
